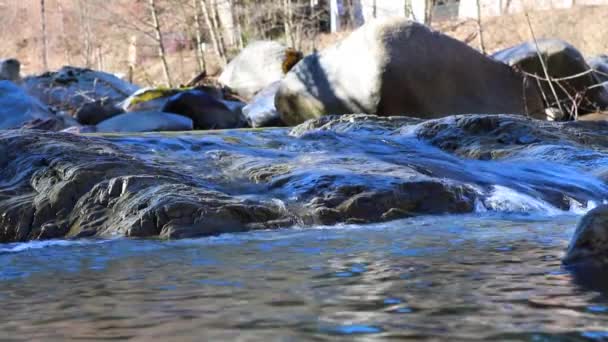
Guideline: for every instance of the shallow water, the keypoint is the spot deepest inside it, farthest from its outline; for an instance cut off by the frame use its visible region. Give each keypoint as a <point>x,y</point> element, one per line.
<point>491,276</point>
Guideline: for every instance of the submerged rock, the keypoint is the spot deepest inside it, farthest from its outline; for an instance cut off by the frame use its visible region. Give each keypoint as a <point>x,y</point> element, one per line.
<point>562,60</point>
<point>71,88</point>
<point>257,66</point>
<point>399,67</point>
<point>351,168</point>
<point>144,122</point>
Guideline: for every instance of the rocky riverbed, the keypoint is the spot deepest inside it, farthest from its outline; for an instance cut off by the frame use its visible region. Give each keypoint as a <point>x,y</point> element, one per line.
<point>337,169</point>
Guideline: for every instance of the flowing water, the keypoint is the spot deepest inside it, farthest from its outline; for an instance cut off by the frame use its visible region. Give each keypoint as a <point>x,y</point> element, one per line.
<point>494,274</point>
<point>490,276</point>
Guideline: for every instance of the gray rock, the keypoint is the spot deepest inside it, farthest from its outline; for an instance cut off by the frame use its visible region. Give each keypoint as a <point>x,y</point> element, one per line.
<point>70,88</point>
<point>10,69</point>
<point>589,244</point>
<point>261,111</point>
<point>600,65</point>
<point>399,67</point>
<point>562,60</point>
<point>257,66</point>
<point>144,122</point>
<point>18,108</point>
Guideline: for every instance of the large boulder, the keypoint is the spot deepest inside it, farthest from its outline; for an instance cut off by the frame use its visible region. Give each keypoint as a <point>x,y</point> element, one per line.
<point>261,111</point>
<point>144,122</point>
<point>70,89</point>
<point>399,67</point>
<point>257,66</point>
<point>205,111</point>
<point>10,69</point>
<point>589,244</point>
<point>18,108</point>
<point>562,60</point>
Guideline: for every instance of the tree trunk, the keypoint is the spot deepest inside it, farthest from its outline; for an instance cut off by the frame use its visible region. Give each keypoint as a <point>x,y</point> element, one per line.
<point>200,54</point>
<point>159,40</point>
<point>85,23</point>
<point>215,21</point>
<point>45,51</point>
<point>482,47</point>
<point>212,31</point>
<point>288,23</point>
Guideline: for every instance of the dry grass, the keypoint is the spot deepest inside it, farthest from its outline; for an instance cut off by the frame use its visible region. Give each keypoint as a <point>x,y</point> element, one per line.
<point>583,27</point>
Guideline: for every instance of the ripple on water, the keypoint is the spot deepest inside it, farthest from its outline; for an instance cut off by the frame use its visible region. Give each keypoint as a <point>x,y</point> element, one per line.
<point>492,276</point>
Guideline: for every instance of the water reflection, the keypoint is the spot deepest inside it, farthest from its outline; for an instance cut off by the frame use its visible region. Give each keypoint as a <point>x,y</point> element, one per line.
<point>457,277</point>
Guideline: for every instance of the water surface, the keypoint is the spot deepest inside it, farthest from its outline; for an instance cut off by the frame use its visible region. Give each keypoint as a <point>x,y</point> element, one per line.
<point>492,276</point>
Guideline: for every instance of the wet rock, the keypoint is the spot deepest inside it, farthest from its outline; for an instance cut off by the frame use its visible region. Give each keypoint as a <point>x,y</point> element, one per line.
<point>589,244</point>
<point>205,111</point>
<point>257,66</point>
<point>261,112</point>
<point>71,88</point>
<point>18,108</point>
<point>349,168</point>
<point>144,122</point>
<point>67,185</point>
<point>10,70</point>
<point>399,67</point>
<point>562,60</point>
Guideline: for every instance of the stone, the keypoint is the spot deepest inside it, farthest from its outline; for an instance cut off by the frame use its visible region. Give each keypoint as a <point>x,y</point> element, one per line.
<point>92,113</point>
<point>18,108</point>
<point>258,65</point>
<point>399,67</point>
<point>10,70</point>
<point>561,60</point>
<point>144,122</point>
<point>70,88</point>
<point>205,111</point>
<point>589,244</point>
<point>600,65</point>
<point>261,111</point>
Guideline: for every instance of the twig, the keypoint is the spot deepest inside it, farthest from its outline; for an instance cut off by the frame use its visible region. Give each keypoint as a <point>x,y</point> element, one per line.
<point>542,62</point>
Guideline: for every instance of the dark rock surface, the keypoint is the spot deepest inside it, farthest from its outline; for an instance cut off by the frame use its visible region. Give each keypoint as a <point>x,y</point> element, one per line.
<point>205,111</point>
<point>352,168</point>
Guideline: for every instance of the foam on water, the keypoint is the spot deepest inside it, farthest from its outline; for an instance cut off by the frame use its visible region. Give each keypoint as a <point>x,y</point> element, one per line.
<point>23,246</point>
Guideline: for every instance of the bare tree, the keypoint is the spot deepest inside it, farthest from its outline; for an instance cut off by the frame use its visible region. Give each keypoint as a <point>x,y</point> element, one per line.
<point>213,32</point>
<point>482,47</point>
<point>45,51</point>
<point>159,38</point>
